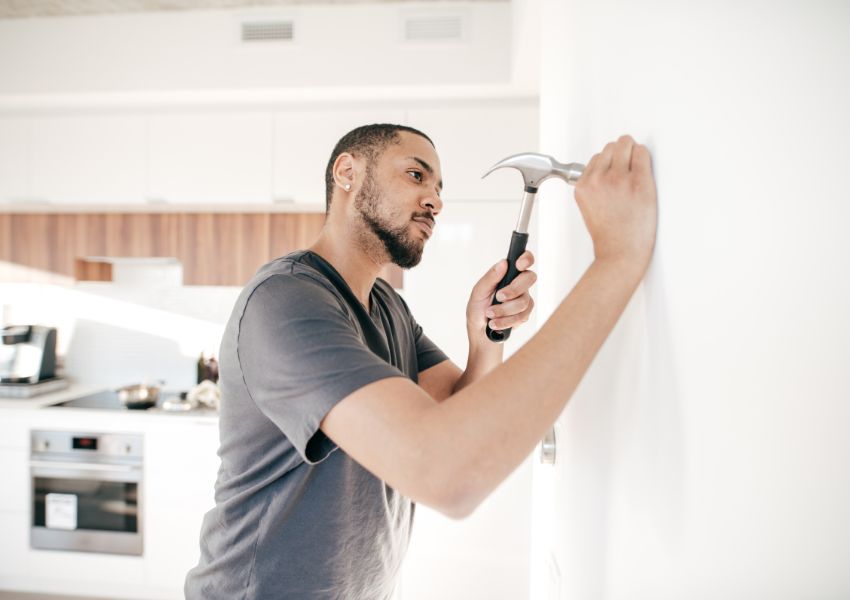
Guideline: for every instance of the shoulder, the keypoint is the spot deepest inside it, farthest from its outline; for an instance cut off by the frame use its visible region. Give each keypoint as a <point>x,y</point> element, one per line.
<point>291,286</point>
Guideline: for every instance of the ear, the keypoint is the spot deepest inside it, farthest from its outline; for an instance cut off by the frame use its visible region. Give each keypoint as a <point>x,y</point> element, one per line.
<point>345,171</point>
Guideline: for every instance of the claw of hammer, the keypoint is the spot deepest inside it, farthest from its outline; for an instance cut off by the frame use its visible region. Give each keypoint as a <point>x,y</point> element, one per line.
<point>535,168</point>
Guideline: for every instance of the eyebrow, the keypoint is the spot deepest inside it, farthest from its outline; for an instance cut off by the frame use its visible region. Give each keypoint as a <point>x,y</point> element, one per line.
<point>428,168</point>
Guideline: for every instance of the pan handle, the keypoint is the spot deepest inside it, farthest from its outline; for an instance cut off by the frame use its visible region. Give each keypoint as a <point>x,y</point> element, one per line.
<point>518,242</point>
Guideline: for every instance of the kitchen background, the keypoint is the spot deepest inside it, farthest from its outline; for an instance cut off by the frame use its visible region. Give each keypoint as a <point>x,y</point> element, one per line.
<point>705,453</point>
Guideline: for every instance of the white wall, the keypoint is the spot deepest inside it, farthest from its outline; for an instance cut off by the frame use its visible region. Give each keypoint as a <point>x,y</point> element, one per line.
<point>705,454</point>
<point>334,45</point>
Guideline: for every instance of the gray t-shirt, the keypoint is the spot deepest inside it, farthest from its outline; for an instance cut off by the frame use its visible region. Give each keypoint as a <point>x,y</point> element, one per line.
<point>295,516</point>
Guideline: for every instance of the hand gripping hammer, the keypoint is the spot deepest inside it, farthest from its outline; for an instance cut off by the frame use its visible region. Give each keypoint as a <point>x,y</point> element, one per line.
<point>535,168</point>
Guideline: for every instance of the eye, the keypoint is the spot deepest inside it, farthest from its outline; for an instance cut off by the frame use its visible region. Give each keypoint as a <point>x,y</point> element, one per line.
<point>416,174</point>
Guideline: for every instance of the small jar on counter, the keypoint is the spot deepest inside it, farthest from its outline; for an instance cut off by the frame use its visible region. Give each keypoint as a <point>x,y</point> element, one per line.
<point>207,369</point>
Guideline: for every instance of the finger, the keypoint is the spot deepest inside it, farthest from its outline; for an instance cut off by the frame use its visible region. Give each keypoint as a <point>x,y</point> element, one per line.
<point>513,320</point>
<point>487,284</point>
<point>622,153</point>
<point>525,261</point>
<point>592,165</point>
<point>510,308</point>
<point>607,156</point>
<point>641,160</point>
<point>517,287</point>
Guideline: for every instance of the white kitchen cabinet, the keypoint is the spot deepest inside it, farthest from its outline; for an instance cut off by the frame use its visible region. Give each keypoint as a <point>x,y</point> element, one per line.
<point>14,526</point>
<point>303,142</point>
<point>14,434</point>
<point>14,158</point>
<point>210,157</point>
<point>14,464</point>
<point>471,138</point>
<point>88,159</point>
<point>181,464</point>
<point>14,500</point>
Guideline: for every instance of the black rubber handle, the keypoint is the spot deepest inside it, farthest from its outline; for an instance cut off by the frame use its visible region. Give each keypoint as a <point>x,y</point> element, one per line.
<point>518,242</point>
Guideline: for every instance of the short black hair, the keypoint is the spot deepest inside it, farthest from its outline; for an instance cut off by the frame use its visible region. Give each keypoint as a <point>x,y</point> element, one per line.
<point>368,141</point>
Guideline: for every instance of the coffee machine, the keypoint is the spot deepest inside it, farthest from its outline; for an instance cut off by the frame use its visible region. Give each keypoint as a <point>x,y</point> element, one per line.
<point>27,354</point>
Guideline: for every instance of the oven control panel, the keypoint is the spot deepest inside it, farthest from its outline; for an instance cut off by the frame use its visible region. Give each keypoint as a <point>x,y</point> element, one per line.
<point>98,445</point>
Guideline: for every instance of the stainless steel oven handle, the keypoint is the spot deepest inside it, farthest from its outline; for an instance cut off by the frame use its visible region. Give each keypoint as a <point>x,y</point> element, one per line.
<point>96,471</point>
<point>83,466</point>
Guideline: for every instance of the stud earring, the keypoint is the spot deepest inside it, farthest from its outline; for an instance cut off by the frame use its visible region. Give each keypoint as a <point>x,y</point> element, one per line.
<point>347,187</point>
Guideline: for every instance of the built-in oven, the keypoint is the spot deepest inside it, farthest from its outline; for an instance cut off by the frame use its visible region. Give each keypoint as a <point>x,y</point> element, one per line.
<point>87,491</point>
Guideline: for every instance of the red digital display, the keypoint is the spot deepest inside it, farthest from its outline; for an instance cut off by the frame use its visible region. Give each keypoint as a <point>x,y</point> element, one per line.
<point>85,443</point>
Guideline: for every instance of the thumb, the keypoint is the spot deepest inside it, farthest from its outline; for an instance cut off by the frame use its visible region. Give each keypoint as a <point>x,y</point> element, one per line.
<point>487,284</point>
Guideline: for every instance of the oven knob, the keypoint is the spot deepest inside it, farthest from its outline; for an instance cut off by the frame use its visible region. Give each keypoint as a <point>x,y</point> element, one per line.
<point>45,446</point>
<point>128,448</point>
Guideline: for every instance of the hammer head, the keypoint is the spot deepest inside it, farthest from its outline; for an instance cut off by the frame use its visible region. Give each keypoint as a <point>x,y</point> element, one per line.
<point>536,168</point>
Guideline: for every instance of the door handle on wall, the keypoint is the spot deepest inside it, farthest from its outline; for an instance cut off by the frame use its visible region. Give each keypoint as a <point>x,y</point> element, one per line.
<point>548,448</point>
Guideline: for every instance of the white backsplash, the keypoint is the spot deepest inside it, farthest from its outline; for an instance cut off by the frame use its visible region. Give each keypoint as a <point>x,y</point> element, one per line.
<point>114,334</point>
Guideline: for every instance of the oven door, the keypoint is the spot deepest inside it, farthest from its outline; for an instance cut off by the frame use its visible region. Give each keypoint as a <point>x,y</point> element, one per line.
<point>86,506</point>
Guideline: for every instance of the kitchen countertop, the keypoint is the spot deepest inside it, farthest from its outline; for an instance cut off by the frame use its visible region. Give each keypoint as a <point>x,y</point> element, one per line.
<point>50,398</point>
<point>79,390</point>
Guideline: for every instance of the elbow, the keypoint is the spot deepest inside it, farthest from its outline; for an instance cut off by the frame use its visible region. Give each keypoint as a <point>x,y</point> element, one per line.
<point>457,510</point>
<point>455,497</point>
<point>447,477</point>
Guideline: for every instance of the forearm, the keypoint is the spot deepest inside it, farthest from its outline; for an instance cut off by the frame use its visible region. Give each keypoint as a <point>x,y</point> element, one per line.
<point>484,356</point>
<point>490,426</point>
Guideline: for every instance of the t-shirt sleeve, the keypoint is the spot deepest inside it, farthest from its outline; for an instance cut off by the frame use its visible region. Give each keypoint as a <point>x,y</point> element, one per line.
<point>428,353</point>
<point>300,354</point>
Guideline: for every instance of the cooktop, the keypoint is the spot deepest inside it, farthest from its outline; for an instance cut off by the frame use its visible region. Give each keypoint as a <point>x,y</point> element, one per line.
<point>101,400</point>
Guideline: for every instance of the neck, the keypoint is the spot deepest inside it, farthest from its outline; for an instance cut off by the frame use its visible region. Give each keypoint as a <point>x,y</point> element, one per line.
<point>357,262</point>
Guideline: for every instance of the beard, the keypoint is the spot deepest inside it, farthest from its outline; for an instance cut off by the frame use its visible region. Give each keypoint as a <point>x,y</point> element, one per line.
<point>397,242</point>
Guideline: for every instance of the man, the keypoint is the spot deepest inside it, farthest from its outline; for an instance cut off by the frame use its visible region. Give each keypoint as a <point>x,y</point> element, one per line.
<point>338,412</point>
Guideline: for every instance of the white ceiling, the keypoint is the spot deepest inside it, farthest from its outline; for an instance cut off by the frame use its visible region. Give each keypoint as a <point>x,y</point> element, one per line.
<point>10,9</point>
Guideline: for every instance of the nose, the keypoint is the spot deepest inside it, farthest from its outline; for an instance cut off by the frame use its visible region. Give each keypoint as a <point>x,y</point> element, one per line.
<point>433,202</point>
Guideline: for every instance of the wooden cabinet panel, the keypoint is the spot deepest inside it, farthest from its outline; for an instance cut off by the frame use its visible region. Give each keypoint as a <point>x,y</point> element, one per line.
<point>214,248</point>
<point>5,237</point>
<point>61,236</point>
<point>141,234</point>
<point>223,249</point>
<point>30,243</point>
<point>43,241</point>
<point>288,234</point>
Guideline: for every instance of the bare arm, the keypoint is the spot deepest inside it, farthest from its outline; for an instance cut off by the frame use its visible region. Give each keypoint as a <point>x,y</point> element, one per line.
<point>451,455</point>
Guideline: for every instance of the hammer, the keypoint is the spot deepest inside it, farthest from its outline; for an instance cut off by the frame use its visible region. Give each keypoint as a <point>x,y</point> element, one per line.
<point>535,168</point>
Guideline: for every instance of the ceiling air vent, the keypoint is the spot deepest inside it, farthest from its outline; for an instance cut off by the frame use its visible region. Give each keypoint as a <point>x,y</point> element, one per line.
<point>267,31</point>
<point>440,28</point>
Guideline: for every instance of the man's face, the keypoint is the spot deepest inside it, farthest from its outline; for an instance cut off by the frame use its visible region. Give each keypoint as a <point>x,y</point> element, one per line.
<point>399,198</point>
